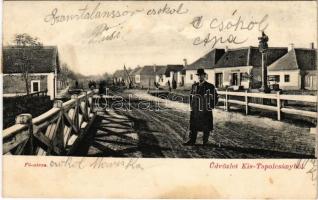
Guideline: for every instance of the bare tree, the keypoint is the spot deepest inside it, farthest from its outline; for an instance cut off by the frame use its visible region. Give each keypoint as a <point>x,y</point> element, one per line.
<point>25,57</point>
<point>66,74</point>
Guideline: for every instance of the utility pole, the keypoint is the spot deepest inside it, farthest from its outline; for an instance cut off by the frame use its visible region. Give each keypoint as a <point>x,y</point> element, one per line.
<point>263,47</point>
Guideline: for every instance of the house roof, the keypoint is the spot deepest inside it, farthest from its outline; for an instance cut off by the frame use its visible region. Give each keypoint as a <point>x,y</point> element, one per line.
<point>41,59</point>
<point>249,56</point>
<point>138,71</point>
<point>161,70</point>
<point>296,58</point>
<point>306,58</point>
<point>151,69</point>
<point>208,61</point>
<point>173,68</point>
<point>119,73</point>
<point>134,71</point>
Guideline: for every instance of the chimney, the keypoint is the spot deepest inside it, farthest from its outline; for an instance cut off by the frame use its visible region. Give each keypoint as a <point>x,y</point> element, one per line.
<point>312,45</point>
<point>185,62</point>
<point>291,46</point>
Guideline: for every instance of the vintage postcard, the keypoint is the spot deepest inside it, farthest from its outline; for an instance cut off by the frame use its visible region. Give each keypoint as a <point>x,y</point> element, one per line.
<point>159,99</point>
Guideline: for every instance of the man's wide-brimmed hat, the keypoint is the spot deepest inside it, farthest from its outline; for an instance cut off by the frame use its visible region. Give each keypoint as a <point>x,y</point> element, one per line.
<point>200,71</point>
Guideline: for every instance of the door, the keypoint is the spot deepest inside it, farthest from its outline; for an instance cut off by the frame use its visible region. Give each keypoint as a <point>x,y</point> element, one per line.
<point>218,80</point>
<point>35,86</point>
<point>175,78</point>
<point>234,79</point>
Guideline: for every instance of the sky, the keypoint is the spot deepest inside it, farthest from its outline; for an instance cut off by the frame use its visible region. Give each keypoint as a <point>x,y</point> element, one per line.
<point>147,33</point>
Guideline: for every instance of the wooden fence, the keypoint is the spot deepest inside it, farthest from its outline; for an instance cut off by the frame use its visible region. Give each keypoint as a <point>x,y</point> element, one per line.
<point>40,93</point>
<point>280,98</point>
<point>56,132</point>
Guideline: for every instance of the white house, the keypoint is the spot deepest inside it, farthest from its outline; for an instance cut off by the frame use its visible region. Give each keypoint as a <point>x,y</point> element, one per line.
<point>241,67</point>
<point>135,75</point>
<point>206,62</point>
<point>170,74</point>
<point>41,64</point>
<point>161,78</point>
<point>296,70</point>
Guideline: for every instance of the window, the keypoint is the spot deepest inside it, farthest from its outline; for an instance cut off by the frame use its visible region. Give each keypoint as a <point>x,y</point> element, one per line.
<point>277,78</point>
<point>274,78</point>
<point>245,76</point>
<point>191,76</point>
<point>35,86</point>
<point>137,78</point>
<point>287,78</point>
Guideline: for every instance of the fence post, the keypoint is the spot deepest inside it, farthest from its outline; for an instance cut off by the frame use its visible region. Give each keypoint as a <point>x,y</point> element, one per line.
<point>246,103</point>
<point>86,106</point>
<point>226,101</point>
<point>59,137</point>
<point>278,106</point>
<point>76,119</point>
<point>90,103</point>
<point>26,119</point>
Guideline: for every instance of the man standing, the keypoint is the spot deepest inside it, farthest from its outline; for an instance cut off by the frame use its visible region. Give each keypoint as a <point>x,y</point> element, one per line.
<point>203,98</point>
<point>169,86</point>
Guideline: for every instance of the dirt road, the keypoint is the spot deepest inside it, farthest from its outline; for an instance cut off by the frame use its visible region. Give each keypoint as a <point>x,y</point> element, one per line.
<point>149,128</point>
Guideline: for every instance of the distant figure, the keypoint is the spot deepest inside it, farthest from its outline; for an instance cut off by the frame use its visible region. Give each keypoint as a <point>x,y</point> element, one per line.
<point>92,85</point>
<point>76,84</point>
<point>169,85</point>
<point>174,84</point>
<point>102,87</point>
<point>89,84</point>
<point>203,98</point>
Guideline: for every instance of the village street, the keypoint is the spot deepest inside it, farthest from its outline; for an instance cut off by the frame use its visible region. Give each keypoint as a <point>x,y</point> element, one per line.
<point>159,127</point>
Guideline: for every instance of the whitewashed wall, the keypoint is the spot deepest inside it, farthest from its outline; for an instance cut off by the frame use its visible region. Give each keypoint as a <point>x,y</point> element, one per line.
<point>294,79</point>
<point>50,85</point>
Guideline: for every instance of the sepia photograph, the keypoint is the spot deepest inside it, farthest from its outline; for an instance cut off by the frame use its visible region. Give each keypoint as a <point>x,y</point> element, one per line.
<point>161,82</point>
<point>96,80</point>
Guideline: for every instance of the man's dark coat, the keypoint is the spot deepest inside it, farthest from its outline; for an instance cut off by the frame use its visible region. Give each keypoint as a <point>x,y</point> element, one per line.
<point>203,98</point>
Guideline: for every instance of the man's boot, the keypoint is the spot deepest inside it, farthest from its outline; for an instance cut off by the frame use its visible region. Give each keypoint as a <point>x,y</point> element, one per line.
<point>193,138</point>
<point>206,135</point>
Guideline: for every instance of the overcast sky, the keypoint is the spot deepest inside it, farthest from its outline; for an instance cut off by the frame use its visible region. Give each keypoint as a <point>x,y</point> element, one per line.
<point>141,39</point>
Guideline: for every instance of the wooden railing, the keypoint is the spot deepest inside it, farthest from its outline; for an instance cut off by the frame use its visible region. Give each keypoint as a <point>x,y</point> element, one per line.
<point>280,98</point>
<point>40,93</point>
<point>56,132</point>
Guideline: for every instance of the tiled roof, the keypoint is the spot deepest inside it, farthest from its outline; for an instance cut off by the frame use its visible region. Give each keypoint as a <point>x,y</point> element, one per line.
<point>173,68</point>
<point>249,56</point>
<point>134,71</point>
<point>161,69</point>
<point>40,59</point>
<point>208,61</point>
<point>147,70</point>
<point>153,69</point>
<point>304,59</point>
<point>233,57</point>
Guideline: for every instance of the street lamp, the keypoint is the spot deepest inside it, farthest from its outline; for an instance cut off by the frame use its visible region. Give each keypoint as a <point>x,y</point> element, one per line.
<point>263,47</point>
